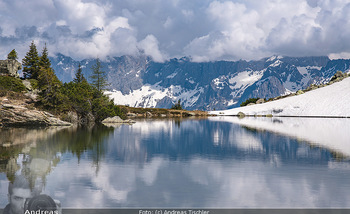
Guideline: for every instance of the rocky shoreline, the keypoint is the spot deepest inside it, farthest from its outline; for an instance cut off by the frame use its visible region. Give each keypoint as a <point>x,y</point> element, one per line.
<point>19,116</point>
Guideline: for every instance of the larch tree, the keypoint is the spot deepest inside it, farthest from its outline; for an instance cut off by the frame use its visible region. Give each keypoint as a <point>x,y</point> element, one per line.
<point>98,77</point>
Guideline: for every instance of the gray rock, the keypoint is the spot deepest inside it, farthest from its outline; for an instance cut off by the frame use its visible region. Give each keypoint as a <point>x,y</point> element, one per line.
<point>88,119</point>
<point>72,117</point>
<point>27,84</point>
<point>339,74</point>
<point>269,87</point>
<point>260,101</point>
<point>10,67</point>
<point>116,119</point>
<point>33,95</point>
<point>299,92</point>
<point>13,115</point>
<point>241,114</point>
<point>131,115</point>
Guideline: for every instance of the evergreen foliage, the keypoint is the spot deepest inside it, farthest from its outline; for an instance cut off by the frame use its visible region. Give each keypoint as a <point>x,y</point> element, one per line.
<point>12,55</point>
<point>98,77</point>
<point>250,100</point>
<point>78,95</point>
<point>31,63</point>
<point>44,61</point>
<point>79,76</point>
<point>85,99</point>
<point>11,84</point>
<point>51,96</point>
<point>177,106</point>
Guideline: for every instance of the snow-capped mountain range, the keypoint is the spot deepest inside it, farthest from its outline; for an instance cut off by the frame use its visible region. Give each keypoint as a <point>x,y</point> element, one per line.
<point>140,82</point>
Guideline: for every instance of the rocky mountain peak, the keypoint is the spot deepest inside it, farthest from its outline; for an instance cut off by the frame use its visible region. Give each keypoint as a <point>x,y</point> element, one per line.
<point>138,81</point>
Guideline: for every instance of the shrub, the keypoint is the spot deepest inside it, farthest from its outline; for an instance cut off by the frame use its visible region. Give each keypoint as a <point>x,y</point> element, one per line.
<point>11,84</point>
<point>34,83</point>
<point>250,100</point>
<point>85,99</point>
<point>177,106</point>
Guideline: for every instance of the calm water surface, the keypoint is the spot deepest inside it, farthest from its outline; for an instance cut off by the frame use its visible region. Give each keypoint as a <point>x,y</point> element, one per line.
<point>183,163</point>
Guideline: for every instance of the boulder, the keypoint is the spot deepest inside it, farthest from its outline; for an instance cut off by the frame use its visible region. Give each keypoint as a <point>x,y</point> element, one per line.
<point>241,114</point>
<point>131,114</point>
<point>10,67</point>
<point>260,101</point>
<point>72,117</point>
<point>14,115</point>
<point>28,85</point>
<point>299,92</point>
<point>312,87</point>
<point>337,76</point>
<point>116,119</point>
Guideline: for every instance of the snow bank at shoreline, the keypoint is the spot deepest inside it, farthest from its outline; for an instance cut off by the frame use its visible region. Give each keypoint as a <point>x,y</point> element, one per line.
<point>329,101</point>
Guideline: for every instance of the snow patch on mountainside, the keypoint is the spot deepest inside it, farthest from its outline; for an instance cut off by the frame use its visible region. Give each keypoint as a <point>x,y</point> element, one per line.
<point>148,96</point>
<point>332,101</point>
<point>276,63</point>
<point>274,58</point>
<point>243,80</point>
<point>219,82</point>
<point>305,70</point>
<point>246,78</point>
<point>172,75</point>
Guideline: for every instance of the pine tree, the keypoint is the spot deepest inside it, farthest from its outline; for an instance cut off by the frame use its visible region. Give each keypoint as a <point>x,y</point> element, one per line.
<point>12,55</point>
<point>31,63</point>
<point>44,61</point>
<point>50,96</point>
<point>79,77</point>
<point>98,77</point>
<point>46,75</point>
<point>177,106</point>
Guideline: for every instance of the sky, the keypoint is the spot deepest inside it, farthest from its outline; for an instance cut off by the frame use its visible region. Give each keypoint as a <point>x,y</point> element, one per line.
<point>204,30</point>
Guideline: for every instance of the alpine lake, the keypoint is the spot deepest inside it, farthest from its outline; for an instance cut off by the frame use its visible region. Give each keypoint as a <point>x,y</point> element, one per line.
<point>216,162</point>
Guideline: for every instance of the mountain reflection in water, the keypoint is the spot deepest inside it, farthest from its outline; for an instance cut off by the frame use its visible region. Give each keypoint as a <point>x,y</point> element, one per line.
<point>178,163</point>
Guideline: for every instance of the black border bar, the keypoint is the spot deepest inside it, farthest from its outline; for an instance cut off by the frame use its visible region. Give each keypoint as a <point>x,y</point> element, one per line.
<point>196,211</point>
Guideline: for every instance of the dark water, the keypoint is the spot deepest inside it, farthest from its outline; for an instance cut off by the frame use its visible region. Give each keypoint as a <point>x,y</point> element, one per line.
<point>172,163</point>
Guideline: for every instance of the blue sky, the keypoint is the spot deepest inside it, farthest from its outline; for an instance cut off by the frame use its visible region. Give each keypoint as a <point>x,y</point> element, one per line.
<point>206,30</point>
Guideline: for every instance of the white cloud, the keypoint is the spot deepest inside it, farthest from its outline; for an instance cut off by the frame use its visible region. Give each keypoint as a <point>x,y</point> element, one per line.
<point>150,46</point>
<point>81,16</point>
<point>342,55</point>
<point>235,34</point>
<point>206,29</point>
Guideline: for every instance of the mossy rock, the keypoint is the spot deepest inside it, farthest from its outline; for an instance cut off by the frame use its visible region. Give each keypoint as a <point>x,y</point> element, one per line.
<point>299,92</point>
<point>241,114</point>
